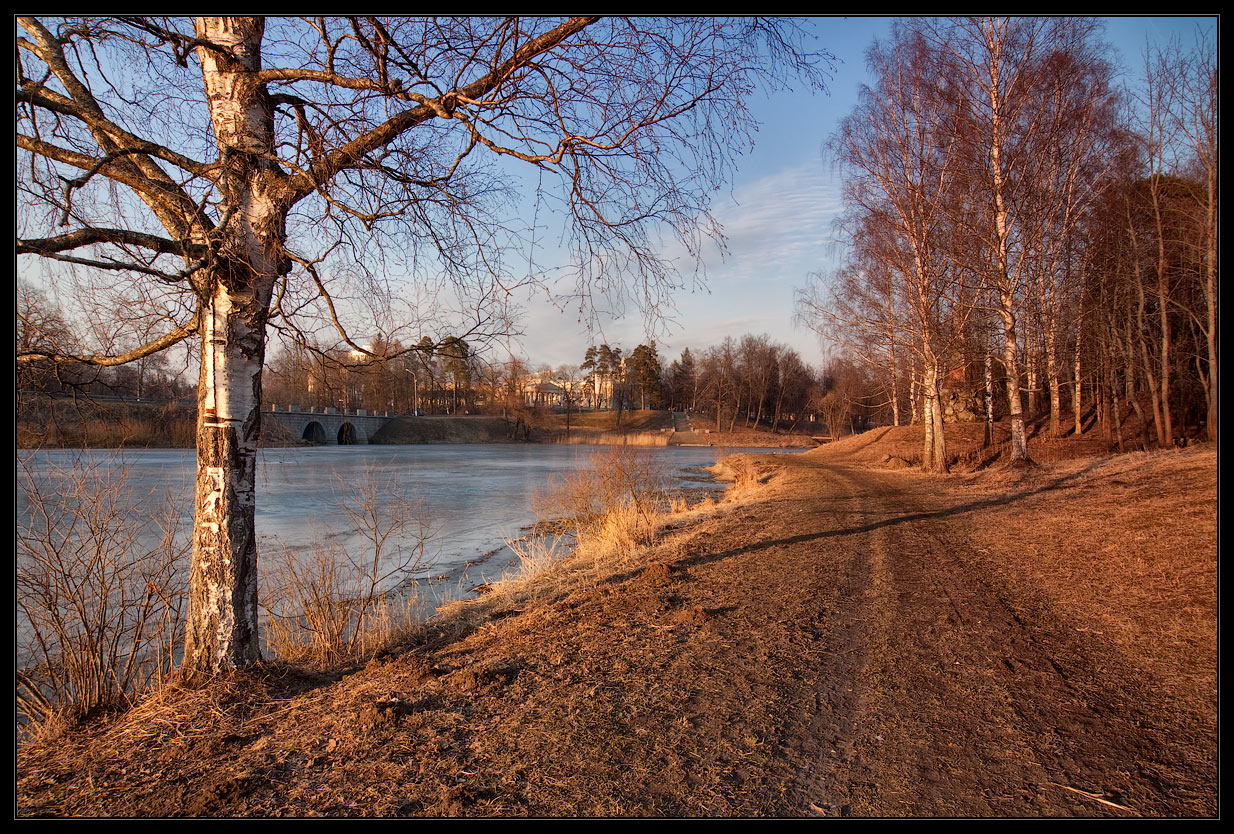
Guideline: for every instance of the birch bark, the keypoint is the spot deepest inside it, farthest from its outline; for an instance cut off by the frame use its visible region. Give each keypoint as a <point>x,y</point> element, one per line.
<point>222,631</point>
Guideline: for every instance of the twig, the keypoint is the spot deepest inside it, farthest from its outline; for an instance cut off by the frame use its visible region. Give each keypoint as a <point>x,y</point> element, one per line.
<point>1094,796</point>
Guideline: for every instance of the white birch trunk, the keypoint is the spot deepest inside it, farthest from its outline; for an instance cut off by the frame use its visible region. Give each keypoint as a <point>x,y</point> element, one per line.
<point>1019,437</point>
<point>934,451</point>
<point>1004,278</point>
<point>895,390</point>
<point>222,629</point>
<point>989,399</point>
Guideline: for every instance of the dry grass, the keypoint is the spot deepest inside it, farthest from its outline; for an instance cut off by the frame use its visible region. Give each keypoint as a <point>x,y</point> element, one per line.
<point>86,423</point>
<point>617,476</point>
<point>594,523</point>
<point>745,473</point>
<point>609,438</point>
<point>706,677</point>
<point>332,605</point>
<point>1129,550</point>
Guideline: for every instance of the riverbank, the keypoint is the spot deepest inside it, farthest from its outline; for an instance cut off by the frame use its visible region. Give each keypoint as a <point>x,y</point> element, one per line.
<point>103,424</point>
<point>835,638</point>
<point>98,423</point>
<point>600,428</point>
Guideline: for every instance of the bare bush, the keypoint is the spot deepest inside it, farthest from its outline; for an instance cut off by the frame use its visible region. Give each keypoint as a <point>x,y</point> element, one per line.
<point>599,515</point>
<point>330,604</point>
<point>100,583</point>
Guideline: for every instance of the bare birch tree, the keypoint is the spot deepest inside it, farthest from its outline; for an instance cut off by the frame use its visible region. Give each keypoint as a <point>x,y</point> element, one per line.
<point>1026,85</point>
<point>251,163</point>
<point>897,148</point>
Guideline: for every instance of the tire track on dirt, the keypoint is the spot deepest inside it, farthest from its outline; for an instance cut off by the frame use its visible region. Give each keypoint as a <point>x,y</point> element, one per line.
<point>975,699</point>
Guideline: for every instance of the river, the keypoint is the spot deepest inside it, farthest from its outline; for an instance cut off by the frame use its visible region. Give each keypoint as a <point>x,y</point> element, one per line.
<point>474,496</point>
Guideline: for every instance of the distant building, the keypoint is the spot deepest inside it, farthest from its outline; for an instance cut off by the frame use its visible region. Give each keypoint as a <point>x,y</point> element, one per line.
<point>538,391</point>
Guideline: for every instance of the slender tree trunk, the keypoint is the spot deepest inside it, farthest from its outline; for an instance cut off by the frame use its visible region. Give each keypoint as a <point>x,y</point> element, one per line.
<point>1129,363</point>
<point>222,627</point>
<point>1076,400</point>
<point>1153,390</point>
<point>1030,366</point>
<point>1110,406</point>
<point>1165,428</point>
<point>914,398</point>
<point>934,451</point>
<point>989,399</point>
<point>1019,437</point>
<point>1003,282</point>
<point>1210,298</point>
<point>1116,416</point>
<point>1052,379</point>
<point>895,393</point>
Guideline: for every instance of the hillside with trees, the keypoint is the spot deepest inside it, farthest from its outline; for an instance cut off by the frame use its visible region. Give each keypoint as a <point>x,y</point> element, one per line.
<point>1025,234</point>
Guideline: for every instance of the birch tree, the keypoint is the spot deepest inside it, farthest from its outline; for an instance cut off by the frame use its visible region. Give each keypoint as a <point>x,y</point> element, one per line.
<point>897,148</point>
<point>250,164</point>
<point>1027,85</point>
<point>1179,114</point>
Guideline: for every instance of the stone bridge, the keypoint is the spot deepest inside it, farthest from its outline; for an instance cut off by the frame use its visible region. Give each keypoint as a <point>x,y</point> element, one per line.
<point>329,425</point>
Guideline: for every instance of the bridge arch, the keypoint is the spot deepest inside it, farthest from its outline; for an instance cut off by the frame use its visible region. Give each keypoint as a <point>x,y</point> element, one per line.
<point>327,426</point>
<point>350,434</point>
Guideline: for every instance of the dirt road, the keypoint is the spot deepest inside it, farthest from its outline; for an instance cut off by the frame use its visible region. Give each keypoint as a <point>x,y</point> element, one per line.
<point>842,642</point>
<point>948,685</point>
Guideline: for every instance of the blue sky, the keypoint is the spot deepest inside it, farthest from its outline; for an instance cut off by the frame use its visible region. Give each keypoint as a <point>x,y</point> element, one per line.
<point>777,214</point>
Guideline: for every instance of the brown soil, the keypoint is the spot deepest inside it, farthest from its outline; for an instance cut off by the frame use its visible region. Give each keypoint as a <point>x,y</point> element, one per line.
<point>841,639</point>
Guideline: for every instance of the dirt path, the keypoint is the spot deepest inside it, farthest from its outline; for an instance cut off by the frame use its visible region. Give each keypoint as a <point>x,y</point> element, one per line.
<point>842,642</point>
<point>977,697</point>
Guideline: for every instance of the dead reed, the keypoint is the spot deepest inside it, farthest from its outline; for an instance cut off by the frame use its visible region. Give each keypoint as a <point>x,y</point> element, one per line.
<point>333,604</point>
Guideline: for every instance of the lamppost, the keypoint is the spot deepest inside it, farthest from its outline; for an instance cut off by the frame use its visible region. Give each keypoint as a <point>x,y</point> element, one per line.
<point>415,391</point>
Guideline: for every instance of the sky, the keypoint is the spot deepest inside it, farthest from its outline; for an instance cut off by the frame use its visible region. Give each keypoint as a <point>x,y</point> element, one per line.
<point>777,214</point>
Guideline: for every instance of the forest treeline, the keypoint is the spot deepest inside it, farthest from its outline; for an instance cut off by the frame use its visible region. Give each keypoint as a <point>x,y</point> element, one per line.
<point>746,382</point>
<point>1021,231</point>
<point>1018,225</point>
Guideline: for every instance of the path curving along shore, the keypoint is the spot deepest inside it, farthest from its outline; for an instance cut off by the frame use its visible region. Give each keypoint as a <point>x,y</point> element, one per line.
<point>835,640</point>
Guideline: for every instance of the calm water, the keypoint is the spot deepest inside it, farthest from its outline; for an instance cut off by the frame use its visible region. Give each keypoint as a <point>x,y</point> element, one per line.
<point>475,496</point>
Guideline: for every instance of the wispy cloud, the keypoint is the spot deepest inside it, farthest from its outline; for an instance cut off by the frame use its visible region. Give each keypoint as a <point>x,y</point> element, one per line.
<point>775,225</point>
<point>777,230</point>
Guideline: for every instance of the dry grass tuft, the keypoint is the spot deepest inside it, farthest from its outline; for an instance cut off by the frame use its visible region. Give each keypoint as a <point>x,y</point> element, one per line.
<point>325,606</point>
<point>599,518</point>
<point>744,473</point>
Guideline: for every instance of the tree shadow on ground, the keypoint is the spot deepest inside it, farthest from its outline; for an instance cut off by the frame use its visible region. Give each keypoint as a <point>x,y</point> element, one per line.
<point>960,509</point>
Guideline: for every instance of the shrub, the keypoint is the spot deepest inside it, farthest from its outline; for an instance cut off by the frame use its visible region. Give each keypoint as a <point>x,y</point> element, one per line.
<point>619,476</point>
<point>101,573</point>
<point>329,605</point>
<point>602,513</point>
